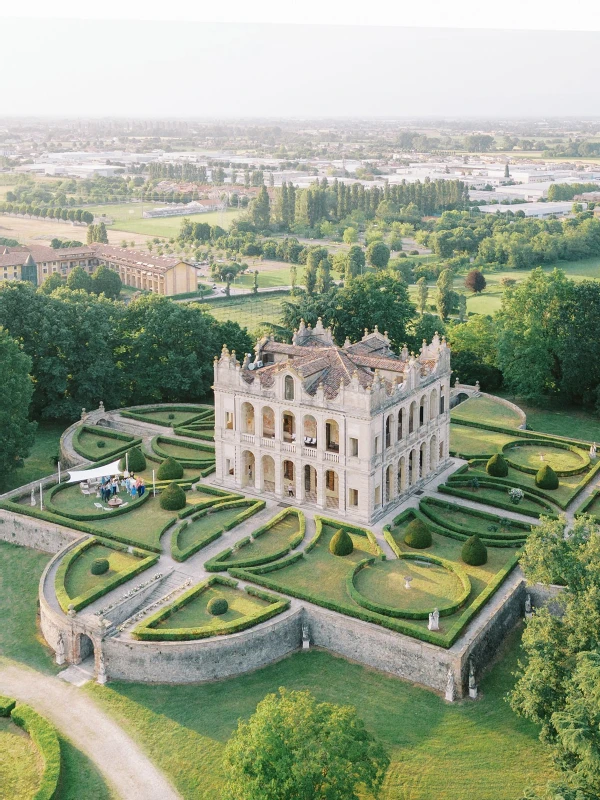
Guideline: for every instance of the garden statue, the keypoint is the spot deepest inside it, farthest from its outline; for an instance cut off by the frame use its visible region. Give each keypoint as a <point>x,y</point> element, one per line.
<point>477,389</point>
<point>60,650</point>
<point>407,581</point>
<point>528,610</point>
<point>472,684</point>
<point>434,620</point>
<point>101,679</point>
<point>83,413</point>
<point>101,406</point>
<point>593,451</point>
<point>305,637</point>
<point>450,690</point>
<point>32,497</point>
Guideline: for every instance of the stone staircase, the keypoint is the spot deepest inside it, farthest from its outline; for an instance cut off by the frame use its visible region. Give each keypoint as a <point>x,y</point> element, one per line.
<point>175,584</point>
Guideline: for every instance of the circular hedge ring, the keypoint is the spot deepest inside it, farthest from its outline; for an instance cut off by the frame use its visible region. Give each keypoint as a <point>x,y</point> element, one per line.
<point>392,566</point>
<point>217,606</point>
<point>529,455</point>
<point>99,566</point>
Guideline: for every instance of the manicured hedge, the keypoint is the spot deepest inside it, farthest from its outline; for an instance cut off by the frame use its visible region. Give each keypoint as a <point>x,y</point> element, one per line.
<point>6,705</point>
<point>218,498</point>
<point>145,631</point>
<point>85,599</point>
<point>172,498</point>
<point>558,445</point>
<point>182,554</point>
<point>546,478</point>
<point>474,552</point>
<point>126,439</point>
<point>391,611</point>
<point>114,512</point>
<point>48,516</point>
<point>134,460</point>
<point>206,450</point>
<point>497,466</point>
<point>170,470</point>
<point>143,415</point>
<point>194,434</point>
<point>455,490</point>
<point>429,505</point>
<point>45,738</point>
<point>587,503</point>
<point>418,535</point>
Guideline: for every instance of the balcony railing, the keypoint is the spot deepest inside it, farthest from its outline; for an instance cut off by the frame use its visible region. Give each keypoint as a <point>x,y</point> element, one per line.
<point>264,442</point>
<point>332,457</point>
<point>247,437</point>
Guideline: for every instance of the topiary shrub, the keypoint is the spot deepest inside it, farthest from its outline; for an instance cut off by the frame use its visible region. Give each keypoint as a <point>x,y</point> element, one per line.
<point>546,478</point>
<point>418,535</point>
<point>172,498</point>
<point>135,459</point>
<point>99,566</point>
<point>169,470</point>
<point>474,552</point>
<point>101,443</point>
<point>341,543</point>
<point>171,416</point>
<point>497,466</point>
<point>217,606</point>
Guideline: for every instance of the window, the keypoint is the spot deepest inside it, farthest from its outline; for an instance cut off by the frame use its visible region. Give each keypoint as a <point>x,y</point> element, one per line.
<point>354,447</point>
<point>228,466</point>
<point>353,497</point>
<point>330,480</point>
<point>377,496</point>
<point>229,420</point>
<point>376,445</point>
<point>289,387</point>
<point>442,403</point>
<point>288,470</point>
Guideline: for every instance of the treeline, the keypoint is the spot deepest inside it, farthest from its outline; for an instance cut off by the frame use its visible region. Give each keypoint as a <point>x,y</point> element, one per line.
<point>567,191</point>
<point>573,149</point>
<point>86,348</point>
<point>512,240</point>
<point>67,214</point>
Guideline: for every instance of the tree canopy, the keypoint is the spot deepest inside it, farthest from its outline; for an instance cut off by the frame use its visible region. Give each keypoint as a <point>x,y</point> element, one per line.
<point>16,390</point>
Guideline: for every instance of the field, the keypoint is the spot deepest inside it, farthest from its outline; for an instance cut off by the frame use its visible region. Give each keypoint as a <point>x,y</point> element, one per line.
<point>127,217</point>
<point>39,463</point>
<point>486,410</point>
<point>468,750</point>
<point>42,231</point>
<point>249,311</point>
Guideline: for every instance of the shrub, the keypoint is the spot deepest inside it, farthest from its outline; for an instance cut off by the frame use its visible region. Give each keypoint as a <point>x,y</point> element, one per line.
<point>171,416</point>
<point>546,478</point>
<point>418,535</point>
<point>474,552</point>
<point>101,444</point>
<point>217,606</point>
<point>497,466</point>
<point>169,470</point>
<point>99,566</point>
<point>172,498</point>
<point>135,459</point>
<point>341,543</point>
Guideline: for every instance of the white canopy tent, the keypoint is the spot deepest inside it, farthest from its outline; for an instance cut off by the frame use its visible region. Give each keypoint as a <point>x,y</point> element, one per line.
<point>76,476</point>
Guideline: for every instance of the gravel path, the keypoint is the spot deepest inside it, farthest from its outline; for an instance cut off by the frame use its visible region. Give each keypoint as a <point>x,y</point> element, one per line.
<point>124,766</point>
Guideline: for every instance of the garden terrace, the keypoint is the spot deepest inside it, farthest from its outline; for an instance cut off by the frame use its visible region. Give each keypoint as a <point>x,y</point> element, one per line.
<point>189,454</point>
<point>170,416</point>
<point>75,583</point>
<point>212,517</point>
<point>190,618</point>
<point>460,522</point>
<point>528,456</point>
<point>488,410</point>
<point>468,442</point>
<point>97,443</point>
<point>68,500</point>
<point>272,541</point>
<point>319,577</point>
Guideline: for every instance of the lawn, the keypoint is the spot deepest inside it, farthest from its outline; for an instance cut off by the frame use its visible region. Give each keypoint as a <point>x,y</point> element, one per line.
<point>39,462</point>
<point>469,522</point>
<point>20,639</point>
<point>486,410</point>
<point>468,442</point>
<point>174,416</point>
<point>94,444</point>
<point>498,496</point>
<point>70,500</point>
<point>534,456</point>
<point>202,530</point>
<point>128,217</point>
<point>467,750</point>
<point>567,484</point>
<point>20,763</point>
<point>182,450</point>
<point>195,614</point>
<point>144,526</point>
<point>249,310</point>
<point>573,423</point>
<point>79,579</point>
<point>277,538</point>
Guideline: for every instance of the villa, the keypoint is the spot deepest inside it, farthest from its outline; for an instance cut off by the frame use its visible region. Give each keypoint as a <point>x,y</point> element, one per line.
<point>351,429</point>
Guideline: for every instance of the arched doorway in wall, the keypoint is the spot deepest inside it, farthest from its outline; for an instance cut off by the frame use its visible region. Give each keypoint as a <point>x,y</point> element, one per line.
<point>332,436</point>
<point>412,417</point>
<point>423,471</point>
<point>389,483</point>
<point>289,478</point>
<point>401,475</point>
<point>332,489</point>
<point>433,453</point>
<point>310,484</point>
<point>309,431</point>
<point>268,474</point>
<point>401,424</point>
<point>247,418</point>
<point>423,410</point>
<point>288,431</point>
<point>268,423</point>
<point>248,469</point>
<point>84,648</point>
<point>414,467</point>
<point>433,404</point>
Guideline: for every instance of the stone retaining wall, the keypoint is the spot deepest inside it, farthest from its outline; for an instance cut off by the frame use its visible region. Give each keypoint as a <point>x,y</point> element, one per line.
<point>35,533</point>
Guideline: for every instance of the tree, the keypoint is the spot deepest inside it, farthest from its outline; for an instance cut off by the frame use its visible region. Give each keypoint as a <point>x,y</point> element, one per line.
<point>101,234</point>
<point>462,307</point>
<point>355,262</point>
<point>475,281</point>
<point>255,283</point>
<point>446,296</point>
<point>107,282</point>
<point>51,283</point>
<point>422,295</point>
<point>293,746</point>
<point>260,210</point>
<point>78,278</point>
<point>293,278</point>
<point>324,280</point>
<point>506,171</point>
<point>16,391</point>
<point>350,236</point>
<point>378,254</point>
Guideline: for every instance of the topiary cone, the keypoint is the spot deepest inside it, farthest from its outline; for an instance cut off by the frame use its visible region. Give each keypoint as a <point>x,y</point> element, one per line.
<point>169,470</point>
<point>341,543</point>
<point>546,478</point>
<point>474,552</point>
<point>418,535</point>
<point>136,460</point>
<point>172,498</point>
<point>497,466</point>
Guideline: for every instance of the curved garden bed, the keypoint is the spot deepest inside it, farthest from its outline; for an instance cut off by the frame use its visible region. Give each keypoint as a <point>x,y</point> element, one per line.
<point>528,455</point>
<point>67,500</point>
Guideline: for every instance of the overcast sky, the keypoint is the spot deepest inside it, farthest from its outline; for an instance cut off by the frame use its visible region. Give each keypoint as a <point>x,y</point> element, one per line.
<point>199,69</point>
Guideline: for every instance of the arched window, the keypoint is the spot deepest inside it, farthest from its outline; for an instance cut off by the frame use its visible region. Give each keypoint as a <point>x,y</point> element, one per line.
<point>289,387</point>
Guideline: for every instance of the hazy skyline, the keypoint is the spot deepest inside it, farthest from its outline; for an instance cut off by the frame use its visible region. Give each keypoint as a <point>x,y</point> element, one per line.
<point>158,69</point>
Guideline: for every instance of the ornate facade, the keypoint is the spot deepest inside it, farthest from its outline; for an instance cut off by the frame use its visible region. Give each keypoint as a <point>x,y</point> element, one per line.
<point>351,430</point>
